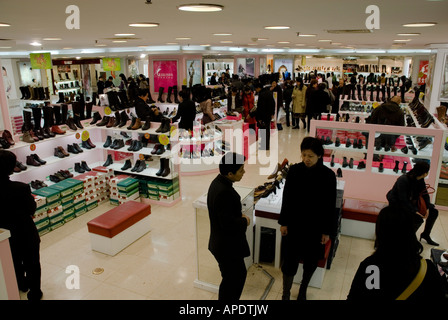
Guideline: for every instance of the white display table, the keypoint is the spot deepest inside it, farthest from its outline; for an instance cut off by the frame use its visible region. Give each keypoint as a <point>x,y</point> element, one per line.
<point>208,274</point>
<point>8,283</point>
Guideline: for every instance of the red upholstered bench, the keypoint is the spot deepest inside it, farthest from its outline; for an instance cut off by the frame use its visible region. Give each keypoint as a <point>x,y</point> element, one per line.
<point>359,217</point>
<point>117,228</point>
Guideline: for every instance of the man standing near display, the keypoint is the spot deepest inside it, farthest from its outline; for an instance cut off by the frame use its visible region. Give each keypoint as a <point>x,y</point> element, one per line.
<point>228,225</point>
<point>264,114</point>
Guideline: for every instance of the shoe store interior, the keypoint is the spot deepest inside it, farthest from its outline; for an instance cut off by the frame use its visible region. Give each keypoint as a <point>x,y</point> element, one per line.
<point>120,174</point>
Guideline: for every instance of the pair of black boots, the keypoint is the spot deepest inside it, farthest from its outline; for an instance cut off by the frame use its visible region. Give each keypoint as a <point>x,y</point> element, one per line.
<point>74,148</point>
<point>165,125</point>
<point>116,144</point>
<point>82,167</point>
<point>171,91</point>
<point>164,169</point>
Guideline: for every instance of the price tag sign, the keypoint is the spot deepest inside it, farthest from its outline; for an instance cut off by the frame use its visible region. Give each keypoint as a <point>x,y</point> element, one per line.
<point>141,157</point>
<point>33,147</point>
<point>164,140</point>
<point>77,135</point>
<point>107,111</point>
<point>147,136</point>
<point>85,135</point>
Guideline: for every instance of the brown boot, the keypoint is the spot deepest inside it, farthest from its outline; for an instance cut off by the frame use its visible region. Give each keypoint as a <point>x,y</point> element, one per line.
<point>441,114</point>
<point>137,125</point>
<point>27,137</point>
<point>111,122</point>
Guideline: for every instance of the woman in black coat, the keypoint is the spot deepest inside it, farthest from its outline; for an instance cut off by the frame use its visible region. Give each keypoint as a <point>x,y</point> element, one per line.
<point>405,192</point>
<point>25,238</point>
<point>186,111</point>
<point>387,273</point>
<point>307,216</point>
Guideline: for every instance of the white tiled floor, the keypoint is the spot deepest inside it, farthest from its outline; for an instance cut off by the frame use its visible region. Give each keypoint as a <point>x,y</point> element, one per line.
<point>161,265</point>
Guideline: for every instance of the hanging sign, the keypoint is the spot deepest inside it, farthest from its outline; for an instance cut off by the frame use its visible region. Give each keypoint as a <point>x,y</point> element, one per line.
<point>85,135</point>
<point>163,139</point>
<point>41,60</point>
<point>111,64</point>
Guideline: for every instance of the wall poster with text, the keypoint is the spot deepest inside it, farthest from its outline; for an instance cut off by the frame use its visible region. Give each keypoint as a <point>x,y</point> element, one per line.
<point>165,74</point>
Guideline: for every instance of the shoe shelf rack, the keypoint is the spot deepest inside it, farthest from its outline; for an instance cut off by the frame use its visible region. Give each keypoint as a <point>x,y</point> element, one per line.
<point>380,168</point>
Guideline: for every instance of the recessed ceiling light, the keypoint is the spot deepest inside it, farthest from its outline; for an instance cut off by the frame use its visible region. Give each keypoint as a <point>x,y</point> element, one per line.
<point>324,40</point>
<point>171,43</point>
<point>300,44</point>
<point>200,7</point>
<point>5,47</point>
<point>205,45</point>
<point>408,34</point>
<point>67,48</point>
<point>183,38</point>
<point>251,44</point>
<point>420,24</point>
<point>276,27</point>
<point>262,39</point>
<point>336,43</point>
<point>119,41</point>
<point>222,34</point>
<point>100,45</point>
<point>36,44</point>
<point>124,34</point>
<point>144,24</point>
<point>402,40</point>
<point>283,42</point>
<point>226,41</point>
<point>77,58</point>
<point>52,39</point>
<point>3,24</point>
<point>307,35</point>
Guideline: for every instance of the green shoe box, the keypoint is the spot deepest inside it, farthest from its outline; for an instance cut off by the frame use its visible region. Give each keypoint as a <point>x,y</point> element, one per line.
<point>92,206</point>
<point>75,184</point>
<point>63,188</point>
<point>81,211</point>
<point>49,193</point>
<point>127,184</point>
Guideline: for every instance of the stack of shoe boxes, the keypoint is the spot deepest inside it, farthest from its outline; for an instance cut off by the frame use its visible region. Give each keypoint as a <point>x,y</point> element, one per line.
<point>66,192</point>
<point>85,197</point>
<point>54,206</point>
<point>153,189</point>
<point>103,184</point>
<point>168,189</point>
<point>78,206</point>
<point>128,189</point>
<point>40,217</point>
<point>143,186</point>
<point>114,194</point>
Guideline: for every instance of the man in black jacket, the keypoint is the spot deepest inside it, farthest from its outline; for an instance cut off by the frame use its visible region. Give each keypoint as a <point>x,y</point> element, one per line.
<point>228,226</point>
<point>264,114</point>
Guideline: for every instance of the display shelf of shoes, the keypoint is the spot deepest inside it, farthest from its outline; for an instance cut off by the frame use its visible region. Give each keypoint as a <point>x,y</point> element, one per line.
<point>377,180</point>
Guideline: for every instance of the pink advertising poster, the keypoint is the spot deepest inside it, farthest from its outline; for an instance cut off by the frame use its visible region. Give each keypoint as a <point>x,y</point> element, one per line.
<point>165,74</point>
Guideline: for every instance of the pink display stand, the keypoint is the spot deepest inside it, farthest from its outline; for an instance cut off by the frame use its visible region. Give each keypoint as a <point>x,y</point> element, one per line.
<point>8,284</point>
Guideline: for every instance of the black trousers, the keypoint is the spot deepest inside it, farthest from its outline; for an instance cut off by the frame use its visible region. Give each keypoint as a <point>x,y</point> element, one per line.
<point>233,272</point>
<point>288,112</point>
<point>26,260</point>
<point>429,223</point>
<point>264,134</point>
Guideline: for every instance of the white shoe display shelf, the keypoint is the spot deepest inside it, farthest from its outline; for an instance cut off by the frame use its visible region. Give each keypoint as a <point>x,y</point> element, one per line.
<point>369,183</point>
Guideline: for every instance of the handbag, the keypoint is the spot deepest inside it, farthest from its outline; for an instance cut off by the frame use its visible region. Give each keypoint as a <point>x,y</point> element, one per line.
<point>421,204</point>
<point>415,283</point>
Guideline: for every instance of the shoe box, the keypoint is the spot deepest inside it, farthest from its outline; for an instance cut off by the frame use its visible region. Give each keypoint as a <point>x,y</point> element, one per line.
<point>128,189</point>
<point>114,192</point>
<point>40,216</point>
<point>163,190</point>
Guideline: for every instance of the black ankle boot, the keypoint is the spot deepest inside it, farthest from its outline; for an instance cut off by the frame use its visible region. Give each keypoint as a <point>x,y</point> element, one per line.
<point>396,166</point>
<point>428,239</point>
<point>109,161</point>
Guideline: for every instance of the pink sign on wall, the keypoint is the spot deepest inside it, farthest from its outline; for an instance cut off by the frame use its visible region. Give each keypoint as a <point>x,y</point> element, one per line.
<point>165,74</point>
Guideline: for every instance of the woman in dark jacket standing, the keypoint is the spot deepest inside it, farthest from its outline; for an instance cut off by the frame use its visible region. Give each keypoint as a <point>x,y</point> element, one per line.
<point>25,240</point>
<point>405,192</point>
<point>186,111</point>
<point>307,216</point>
<point>387,274</point>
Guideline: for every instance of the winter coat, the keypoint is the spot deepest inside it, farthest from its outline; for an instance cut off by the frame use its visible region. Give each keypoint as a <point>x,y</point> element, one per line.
<point>227,225</point>
<point>248,104</point>
<point>308,208</point>
<point>298,100</point>
<point>388,113</point>
<point>187,113</point>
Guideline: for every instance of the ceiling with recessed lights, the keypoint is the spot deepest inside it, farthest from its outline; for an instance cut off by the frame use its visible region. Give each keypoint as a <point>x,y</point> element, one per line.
<point>117,27</point>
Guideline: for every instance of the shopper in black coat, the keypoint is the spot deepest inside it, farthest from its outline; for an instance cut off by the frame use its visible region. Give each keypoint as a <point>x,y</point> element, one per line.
<point>186,111</point>
<point>264,114</point>
<point>406,191</point>
<point>307,215</point>
<point>24,240</point>
<point>317,101</point>
<point>385,275</point>
<point>228,226</point>
<point>142,109</point>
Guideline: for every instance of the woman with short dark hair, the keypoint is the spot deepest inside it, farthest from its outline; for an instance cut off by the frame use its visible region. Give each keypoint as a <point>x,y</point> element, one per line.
<point>389,271</point>
<point>307,215</point>
<point>186,111</point>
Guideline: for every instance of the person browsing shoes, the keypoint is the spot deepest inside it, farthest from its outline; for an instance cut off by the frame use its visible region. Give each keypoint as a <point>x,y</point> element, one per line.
<point>228,226</point>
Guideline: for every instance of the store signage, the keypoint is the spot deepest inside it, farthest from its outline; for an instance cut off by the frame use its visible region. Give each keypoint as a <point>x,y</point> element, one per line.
<point>41,60</point>
<point>68,62</point>
<point>163,139</point>
<point>423,72</point>
<point>111,64</point>
<point>85,135</point>
<point>165,74</point>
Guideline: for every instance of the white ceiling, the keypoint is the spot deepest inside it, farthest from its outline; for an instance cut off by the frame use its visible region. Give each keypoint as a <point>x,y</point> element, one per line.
<point>33,20</point>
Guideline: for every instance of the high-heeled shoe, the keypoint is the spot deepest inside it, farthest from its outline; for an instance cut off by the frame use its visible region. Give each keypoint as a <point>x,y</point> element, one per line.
<point>428,239</point>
